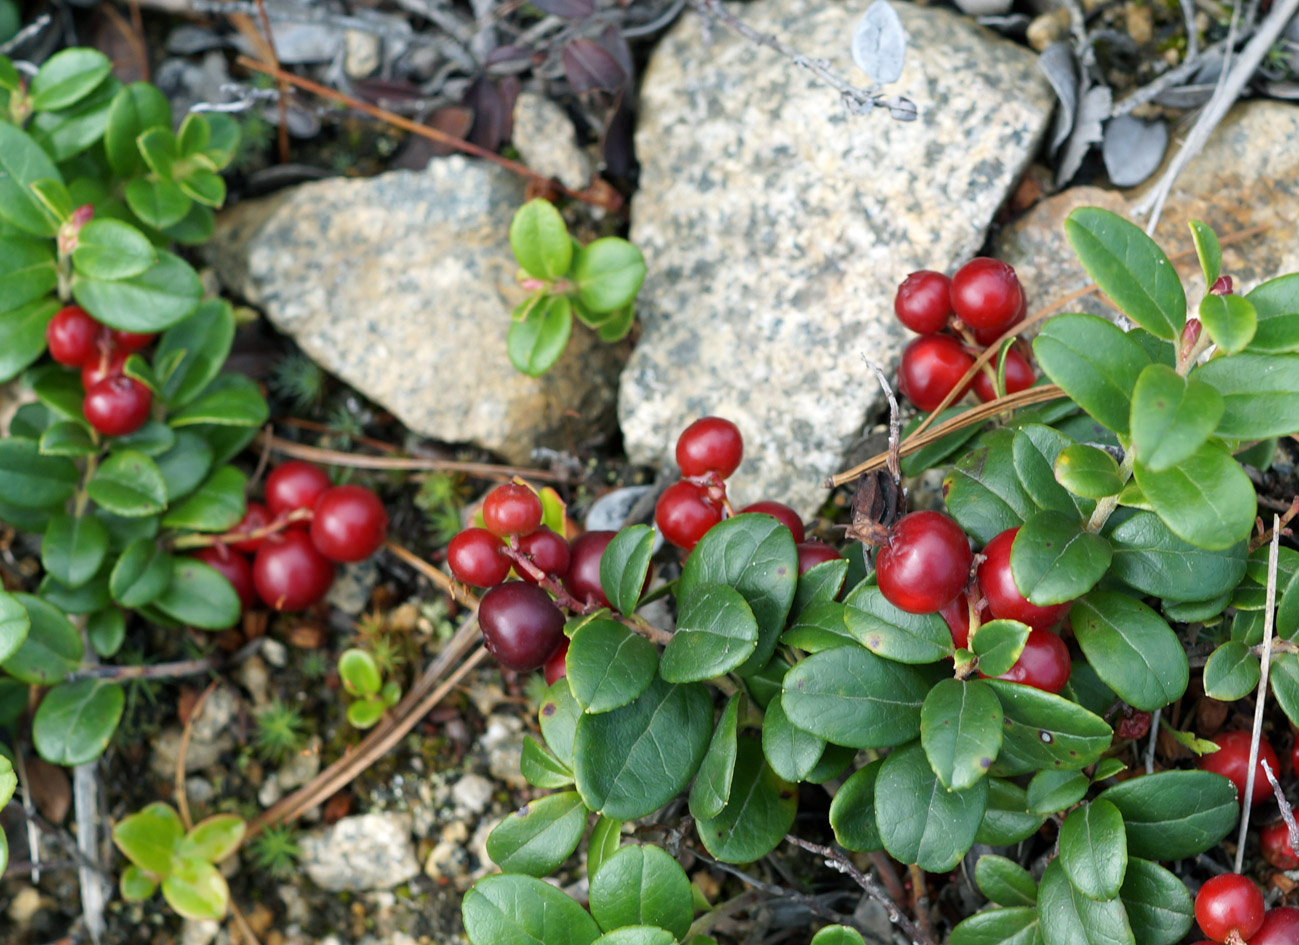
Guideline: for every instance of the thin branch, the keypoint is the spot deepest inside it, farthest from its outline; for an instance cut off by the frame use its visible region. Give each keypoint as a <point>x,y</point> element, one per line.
<point>194,667</point>
<point>24,34</point>
<point>1192,34</point>
<point>182,795</point>
<point>1287,812</point>
<point>895,422</point>
<point>326,457</point>
<point>38,823</point>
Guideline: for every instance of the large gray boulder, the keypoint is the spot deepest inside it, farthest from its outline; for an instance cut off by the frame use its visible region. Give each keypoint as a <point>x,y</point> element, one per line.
<point>776,225</point>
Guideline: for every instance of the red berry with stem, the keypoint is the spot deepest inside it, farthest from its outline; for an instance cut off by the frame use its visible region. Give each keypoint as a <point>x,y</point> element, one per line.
<point>132,340</point>
<point>106,363</point>
<point>348,523</point>
<point>521,625</point>
<point>295,485</point>
<point>986,294</point>
<point>556,667</point>
<point>710,444</point>
<point>583,578</point>
<point>476,557</point>
<point>957,617</point>
<point>234,567</point>
<point>1019,376</point>
<point>512,509</point>
<point>812,553</point>
<point>684,513</point>
<point>924,301</point>
<point>931,368</point>
<point>1280,927</point>
<point>1044,663</point>
<point>549,553</point>
<point>1231,760</point>
<point>987,336</point>
<point>925,563</point>
<point>117,406</point>
<point>256,516</point>
<point>1005,602</point>
<point>781,513</point>
<point>289,573</point>
<point>71,335</point>
<point>1229,908</point>
<point>1274,840</point>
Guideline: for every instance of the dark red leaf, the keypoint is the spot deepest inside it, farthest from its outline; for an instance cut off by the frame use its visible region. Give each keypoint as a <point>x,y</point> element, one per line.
<point>492,102</point>
<point>590,68</point>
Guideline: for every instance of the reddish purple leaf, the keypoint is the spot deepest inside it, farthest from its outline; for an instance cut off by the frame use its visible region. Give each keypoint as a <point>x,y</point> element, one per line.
<point>492,102</point>
<point>590,68</point>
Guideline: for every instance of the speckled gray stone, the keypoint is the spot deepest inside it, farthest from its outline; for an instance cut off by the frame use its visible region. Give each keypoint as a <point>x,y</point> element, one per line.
<point>777,226</point>
<point>546,141</point>
<point>1246,176</point>
<point>371,851</point>
<point>402,285</point>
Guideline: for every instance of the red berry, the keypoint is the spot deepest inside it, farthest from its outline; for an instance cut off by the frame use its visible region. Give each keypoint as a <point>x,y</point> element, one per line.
<point>710,444</point>
<point>105,363</point>
<point>583,577</point>
<point>781,513</point>
<point>348,523</point>
<point>957,617</point>
<point>684,513</point>
<point>256,516</point>
<point>1229,904</point>
<point>117,406</point>
<point>475,557</point>
<point>986,336</point>
<point>521,625</point>
<point>556,667</point>
<point>1294,757</point>
<point>289,573</point>
<point>1231,760</point>
<point>924,301</point>
<point>925,564</point>
<point>1280,927</point>
<point>295,485</point>
<point>812,553</point>
<point>1005,602</point>
<point>1019,376</point>
<point>1275,842</point>
<point>931,367</point>
<point>548,551</point>
<point>1134,726</point>
<point>235,568</point>
<point>512,509</point>
<point>1044,663</point>
<point>986,294</point>
<point>132,340</point>
<point>71,335</point>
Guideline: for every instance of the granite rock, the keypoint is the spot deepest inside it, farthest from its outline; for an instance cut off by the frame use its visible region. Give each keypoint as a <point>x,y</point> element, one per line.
<point>777,226</point>
<point>402,285</point>
<point>370,851</point>
<point>546,142</point>
<point>1247,176</point>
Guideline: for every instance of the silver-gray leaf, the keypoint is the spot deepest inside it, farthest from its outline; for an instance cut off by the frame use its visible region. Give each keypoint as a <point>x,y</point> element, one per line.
<point>1133,149</point>
<point>879,44</point>
<point>1057,64</point>
<point>1093,108</point>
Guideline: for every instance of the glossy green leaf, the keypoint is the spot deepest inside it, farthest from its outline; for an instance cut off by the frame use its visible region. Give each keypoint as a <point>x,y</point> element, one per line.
<point>8,780</point>
<point>29,480</point>
<point>838,935</point>
<point>67,438</point>
<point>153,300</point>
<point>51,649</point>
<point>129,483</point>
<point>1172,416</point>
<point>22,334</point>
<point>359,672</point>
<point>157,202</point>
<point>214,838</point>
<point>204,186</point>
<point>217,506</point>
<point>1158,905</point>
<point>73,548</point>
<point>141,574</point>
<point>932,454</point>
<point>1284,679</point>
<point>110,249</point>
<point>196,890</point>
<point>1231,673</point>
<point>149,837</point>
<point>1088,471</point>
<point>1129,268</point>
<point>1094,850</point>
<point>1174,814</point>
<point>1034,452</point>
<point>1131,648</point>
<point>1230,321</point>
<point>791,752</point>
<point>14,625</point>
<point>231,400</point>
<point>983,492</point>
<point>542,769</point>
<point>818,585</point>
<point>662,737</point>
<point>1054,559</point>
<point>67,76</point>
<point>106,630</point>
<point>893,633</point>
<point>557,716</point>
<point>756,556</point>
<point>1206,500</point>
<point>642,885</point>
<point>1018,926</point>
<point>1050,791</point>
<point>511,909</point>
<point>1070,918</point>
<point>540,240</point>
<point>606,838</point>
<point>919,820</point>
<point>1007,819</point>
<point>60,391</point>
<point>152,439</point>
<point>712,787</point>
<point>535,343</point>
<point>1258,393</point>
<point>185,464</point>
<point>1276,303</point>
<point>1047,731</point>
<point>850,696</point>
<point>539,836</point>
<point>22,162</point>
<point>75,721</point>
<point>86,599</point>
<point>1095,363</point>
<point>960,729</point>
<point>608,273</point>
<point>1150,558</point>
<point>820,627</point>
<point>998,645</point>
<point>608,665</point>
<point>637,935</point>
<point>137,885</point>
<point>1207,250</point>
<point>716,633</point>
<point>27,271</point>
<point>852,811</point>
<point>1004,881</point>
<point>757,816</point>
<point>624,565</point>
<point>136,108</point>
<point>199,595</point>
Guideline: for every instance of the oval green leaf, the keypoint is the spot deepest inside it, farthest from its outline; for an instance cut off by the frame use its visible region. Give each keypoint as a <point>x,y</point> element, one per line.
<point>642,885</point>
<point>919,820</point>
<point>960,729</point>
<point>538,837</point>
<point>1174,814</point>
<point>608,665</point>
<point>1094,850</point>
<point>1131,648</point>
<point>850,696</point>
<point>757,816</point>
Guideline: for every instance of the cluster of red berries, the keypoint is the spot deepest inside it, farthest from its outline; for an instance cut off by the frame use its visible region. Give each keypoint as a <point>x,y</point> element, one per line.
<point>924,568</point>
<point>284,550</point>
<point>708,453</point>
<point>115,404</point>
<point>977,304</point>
<point>1230,910</point>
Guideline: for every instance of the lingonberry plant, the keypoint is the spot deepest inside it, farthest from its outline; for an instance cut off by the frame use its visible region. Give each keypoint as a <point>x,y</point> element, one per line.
<point>372,697</point>
<point>596,283</point>
<point>994,665</point>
